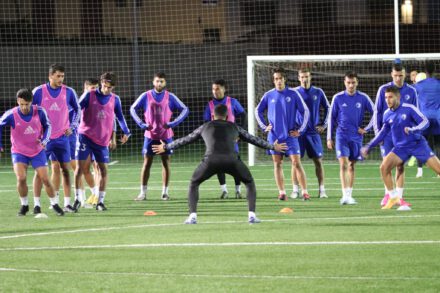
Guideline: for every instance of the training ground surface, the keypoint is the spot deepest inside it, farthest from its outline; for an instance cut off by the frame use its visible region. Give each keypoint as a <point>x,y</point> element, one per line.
<point>321,246</point>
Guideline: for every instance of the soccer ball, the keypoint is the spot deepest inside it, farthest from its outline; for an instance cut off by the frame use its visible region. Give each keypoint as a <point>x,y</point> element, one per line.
<point>420,76</point>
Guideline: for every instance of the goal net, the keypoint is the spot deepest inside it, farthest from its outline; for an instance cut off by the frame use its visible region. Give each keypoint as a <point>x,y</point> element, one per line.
<point>328,74</point>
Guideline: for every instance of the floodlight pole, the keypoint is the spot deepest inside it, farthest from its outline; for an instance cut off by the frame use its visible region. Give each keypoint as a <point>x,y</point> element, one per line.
<point>396,26</point>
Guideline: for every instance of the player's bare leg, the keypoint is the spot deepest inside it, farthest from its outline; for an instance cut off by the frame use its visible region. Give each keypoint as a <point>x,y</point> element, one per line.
<point>145,176</point>
<point>166,173</point>
<point>298,170</point>
<point>388,164</point>
<point>279,175</point>
<point>346,175</point>
<point>319,172</point>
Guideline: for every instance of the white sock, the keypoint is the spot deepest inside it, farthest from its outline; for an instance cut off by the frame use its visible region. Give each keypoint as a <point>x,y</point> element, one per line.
<point>96,190</point>
<point>282,191</point>
<point>66,201</point>
<point>24,201</point>
<point>101,196</point>
<point>77,194</point>
<point>83,193</point>
<point>144,189</point>
<point>393,193</point>
<point>295,188</point>
<point>238,188</point>
<point>321,189</point>
<point>350,191</point>
<point>399,192</point>
<point>304,191</point>
<point>224,188</point>
<point>251,214</point>
<point>164,189</point>
<point>346,192</point>
<point>37,201</point>
<point>193,215</point>
<point>53,201</point>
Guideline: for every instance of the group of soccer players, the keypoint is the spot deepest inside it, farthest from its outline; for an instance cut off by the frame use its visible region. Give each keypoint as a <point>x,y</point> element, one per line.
<point>51,122</point>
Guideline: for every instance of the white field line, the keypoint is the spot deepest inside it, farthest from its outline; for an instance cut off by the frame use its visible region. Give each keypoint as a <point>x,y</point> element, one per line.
<point>225,244</point>
<point>225,276</point>
<point>209,223</point>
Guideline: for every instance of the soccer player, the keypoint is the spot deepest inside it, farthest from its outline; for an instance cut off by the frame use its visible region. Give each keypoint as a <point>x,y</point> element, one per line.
<point>409,96</point>
<point>429,102</point>
<point>220,137</point>
<point>30,132</point>
<point>235,110</point>
<point>310,141</point>
<point>347,113</point>
<point>157,106</point>
<point>412,76</point>
<point>99,108</point>
<point>283,105</point>
<point>404,122</point>
<point>56,98</point>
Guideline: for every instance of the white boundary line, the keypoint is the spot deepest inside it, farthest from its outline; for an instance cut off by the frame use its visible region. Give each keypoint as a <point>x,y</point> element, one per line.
<point>205,223</point>
<point>223,244</point>
<point>226,276</point>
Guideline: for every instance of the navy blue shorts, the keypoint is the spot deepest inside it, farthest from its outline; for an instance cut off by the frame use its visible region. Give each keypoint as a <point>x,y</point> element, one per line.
<point>39,160</point>
<point>348,148</point>
<point>59,149</point>
<point>420,150</point>
<point>148,142</point>
<point>86,147</point>
<point>312,144</point>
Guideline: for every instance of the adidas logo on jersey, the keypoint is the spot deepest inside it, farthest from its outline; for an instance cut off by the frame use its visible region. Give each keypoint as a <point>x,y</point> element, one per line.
<point>344,105</point>
<point>29,130</point>
<point>101,115</point>
<point>54,107</point>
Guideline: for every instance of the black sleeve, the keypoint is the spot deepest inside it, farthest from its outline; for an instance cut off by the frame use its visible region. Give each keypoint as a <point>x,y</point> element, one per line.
<point>242,120</point>
<point>247,137</point>
<point>190,138</point>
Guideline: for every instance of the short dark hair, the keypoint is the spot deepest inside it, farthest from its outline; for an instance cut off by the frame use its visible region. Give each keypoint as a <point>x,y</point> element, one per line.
<point>221,110</point>
<point>91,80</point>
<point>220,82</point>
<point>393,89</point>
<point>279,70</point>
<point>351,74</point>
<point>56,67</point>
<point>160,74</point>
<point>430,67</point>
<point>25,94</point>
<point>398,67</point>
<point>109,77</point>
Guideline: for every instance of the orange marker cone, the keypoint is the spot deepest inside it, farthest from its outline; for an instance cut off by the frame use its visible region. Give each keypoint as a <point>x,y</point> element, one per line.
<point>150,213</point>
<point>286,211</point>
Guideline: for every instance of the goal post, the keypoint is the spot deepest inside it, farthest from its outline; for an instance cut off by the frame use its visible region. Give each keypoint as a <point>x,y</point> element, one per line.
<point>327,73</point>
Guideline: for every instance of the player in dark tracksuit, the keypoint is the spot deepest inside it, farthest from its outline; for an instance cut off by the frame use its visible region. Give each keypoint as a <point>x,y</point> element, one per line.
<point>220,136</point>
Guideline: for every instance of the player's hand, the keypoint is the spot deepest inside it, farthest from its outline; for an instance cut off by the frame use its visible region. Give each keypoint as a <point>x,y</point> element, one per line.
<point>268,128</point>
<point>364,152</point>
<point>158,148</point>
<point>330,144</point>
<point>112,145</point>
<point>294,133</point>
<point>361,131</point>
<point>68,132</point>
<point>320,129</point>
<point>40,143</point>
<point>124,139</point>
<point>280,147</point>
<point>406,129</point>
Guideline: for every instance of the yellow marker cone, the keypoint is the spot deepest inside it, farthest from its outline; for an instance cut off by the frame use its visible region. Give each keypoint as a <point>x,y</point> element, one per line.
<point>150,213</point>
<point>286,211</point>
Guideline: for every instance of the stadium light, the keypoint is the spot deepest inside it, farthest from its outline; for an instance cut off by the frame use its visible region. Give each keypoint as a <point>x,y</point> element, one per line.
<point>407,12</point>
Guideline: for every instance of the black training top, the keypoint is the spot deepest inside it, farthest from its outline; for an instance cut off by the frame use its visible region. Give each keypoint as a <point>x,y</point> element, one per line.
<point>220,137</point>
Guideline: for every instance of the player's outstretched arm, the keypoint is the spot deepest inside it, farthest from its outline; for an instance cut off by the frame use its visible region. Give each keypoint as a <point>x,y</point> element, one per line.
<point>249,138</point>
<point>190,138</point>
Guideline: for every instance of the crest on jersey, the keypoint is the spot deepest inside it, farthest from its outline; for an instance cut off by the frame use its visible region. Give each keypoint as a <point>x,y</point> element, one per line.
<point>407,97</point>
<point>315,97</point>
<point>403,116</point>
<point>390,121</point>
<point>288,99</point>
<point>272,101</point>
<point>358,105</point>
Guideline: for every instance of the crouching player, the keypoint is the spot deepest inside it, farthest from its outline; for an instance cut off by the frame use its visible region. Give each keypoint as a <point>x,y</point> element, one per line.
<point>405,123</point>
<point>30,132</point>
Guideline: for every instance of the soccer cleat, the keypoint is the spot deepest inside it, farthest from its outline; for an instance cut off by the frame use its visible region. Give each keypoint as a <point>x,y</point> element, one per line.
<point>347,201</point>
<point>254,220</point>
<point>76,205</point>
<point>191,221</point>
<point>322,194</point>
<point>419,174</point>
<point>294,194</point>
<point>237,195</point>
<point>140,197</point>
<point>69,209</point>
<point>282,197</point>
<point>101,207</point>
<point>224,195</point>
<point>385,199</point>
<point>412,161</point>
<point>23,211</point>
<point>306,197</point>
<point>165,197</point>
<point>37,210</point>
<point>391,202</point>
<point>402,202</point>
<point>56,208</point>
